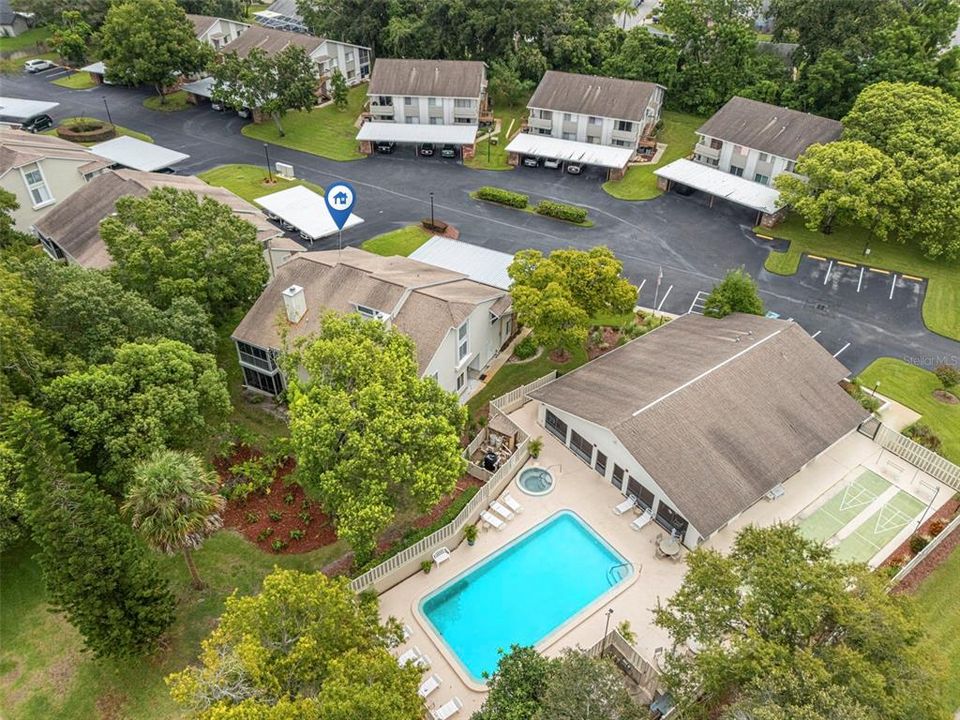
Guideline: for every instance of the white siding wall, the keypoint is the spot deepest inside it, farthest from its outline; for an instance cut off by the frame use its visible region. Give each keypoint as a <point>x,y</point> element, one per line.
<point>749,160</point>
<point>62,177</point>
<point>607,443</point>
<point>579,123</point>
<point>485,340</point>
<point>227,30</point>
<point>338,53</point>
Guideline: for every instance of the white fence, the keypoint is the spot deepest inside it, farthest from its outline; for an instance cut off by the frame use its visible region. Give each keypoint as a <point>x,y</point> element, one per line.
<point>931,546</point>
<point>517,397</point>
<point>917,455</point>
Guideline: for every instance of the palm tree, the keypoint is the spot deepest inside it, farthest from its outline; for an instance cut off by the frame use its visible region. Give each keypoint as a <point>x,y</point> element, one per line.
<point>174,504</point>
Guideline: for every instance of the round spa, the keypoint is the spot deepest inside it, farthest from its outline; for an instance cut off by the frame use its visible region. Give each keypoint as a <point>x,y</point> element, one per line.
<point>535,481</point>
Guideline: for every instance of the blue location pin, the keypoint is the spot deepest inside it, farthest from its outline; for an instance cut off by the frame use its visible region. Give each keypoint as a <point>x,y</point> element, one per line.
<point>340,198</point>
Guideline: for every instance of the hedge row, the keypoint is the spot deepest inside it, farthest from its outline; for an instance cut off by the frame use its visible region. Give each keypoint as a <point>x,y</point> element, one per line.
<point>562,211</point>
<point>504,197</point>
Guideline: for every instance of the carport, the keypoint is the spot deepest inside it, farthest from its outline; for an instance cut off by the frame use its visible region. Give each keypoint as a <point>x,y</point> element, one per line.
<point>97,72</point>
<point>305,211</point>
<point>199,90</point>
<point>762,199</point>
<point>462,136</point>
<point>138,154</point>
<point>613,159</point>
<point>16,110</point>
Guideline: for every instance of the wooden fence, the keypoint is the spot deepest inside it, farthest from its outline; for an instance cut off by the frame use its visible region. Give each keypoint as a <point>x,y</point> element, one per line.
<point>644,676</point>
<point>917,455</point>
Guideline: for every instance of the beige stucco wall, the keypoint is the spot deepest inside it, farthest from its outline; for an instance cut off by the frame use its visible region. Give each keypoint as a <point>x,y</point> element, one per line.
<point>62,178</point>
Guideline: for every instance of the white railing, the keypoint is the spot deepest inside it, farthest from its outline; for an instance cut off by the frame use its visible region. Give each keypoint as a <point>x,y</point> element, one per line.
<point>917,455</point>
<point>919,557</point>
<point>518,396</point>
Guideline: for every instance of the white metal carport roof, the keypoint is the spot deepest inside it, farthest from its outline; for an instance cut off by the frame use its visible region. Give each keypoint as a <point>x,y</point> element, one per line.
<point>721,184</point>
<point>305,210</point>
<point>202,87</point>
<point>98,68</point>
<point>477,263</point>
<point>23,109</point>
<point>138,154</point>
<point>546,146</point>
<point>404,133</point>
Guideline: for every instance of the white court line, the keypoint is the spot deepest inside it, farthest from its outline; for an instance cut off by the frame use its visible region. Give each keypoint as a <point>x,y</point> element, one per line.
<point>664,299</point>
<point>816,333</point>
<point>640,288</point>
<point>841,349</point>
<point>893,286</point>
<point>860,281</point>
<point>827,276</point>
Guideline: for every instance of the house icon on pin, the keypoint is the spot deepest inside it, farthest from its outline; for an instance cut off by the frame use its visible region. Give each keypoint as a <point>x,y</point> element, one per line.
<point>341,198</point>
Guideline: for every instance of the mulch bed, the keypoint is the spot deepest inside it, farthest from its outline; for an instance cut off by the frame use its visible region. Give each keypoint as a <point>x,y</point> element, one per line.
<point>611,336</point>
<point>902,554</point>
<point>945,397</point>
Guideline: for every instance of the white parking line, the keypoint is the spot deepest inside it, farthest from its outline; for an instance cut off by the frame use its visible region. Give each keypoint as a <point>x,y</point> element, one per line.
<point>841,349</point>
<point>816,333</point>
<point>664,299</point>
<point>827,276</point>
<point>640,287</point>
<point>860,281</point>
<point>893,286</point>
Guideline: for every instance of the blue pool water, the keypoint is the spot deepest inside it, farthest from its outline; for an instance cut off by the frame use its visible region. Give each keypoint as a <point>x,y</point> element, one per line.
<point>523,592</point>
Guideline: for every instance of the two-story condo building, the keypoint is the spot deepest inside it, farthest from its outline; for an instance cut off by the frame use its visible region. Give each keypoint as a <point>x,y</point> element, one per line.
<point>743,147</point>
<point>426,101</point>
<point>589,120</point>
<point>217,32</point>
<point>457,324</point>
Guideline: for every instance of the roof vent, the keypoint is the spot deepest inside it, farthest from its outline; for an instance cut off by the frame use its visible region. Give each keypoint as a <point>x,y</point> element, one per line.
<point>295,303</point>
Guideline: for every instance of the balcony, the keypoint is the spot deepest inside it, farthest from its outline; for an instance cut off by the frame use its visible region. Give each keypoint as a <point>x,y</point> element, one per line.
<point>540,123</point>
<point>594,130</point>
<point>570,126</point>
<point>435,111</point>
<point>706,151</point>
<point>624,135</point>
<point>381,110</point>
<point>470,111</point>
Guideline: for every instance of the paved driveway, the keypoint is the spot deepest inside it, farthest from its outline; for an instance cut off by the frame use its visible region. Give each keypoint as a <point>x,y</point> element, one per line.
<point>693,244</point>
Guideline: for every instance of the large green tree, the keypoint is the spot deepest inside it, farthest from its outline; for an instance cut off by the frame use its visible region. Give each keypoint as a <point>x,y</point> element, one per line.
<point>150,42</point>
<point>271,83</point>
<point>174,504</point>
<point>71,36</point>
<point>21,362</point>
<point>644,56</point>
<point>517,688</point>
<point>12,500</point>
<point>172,243</point>
<point>778,620</point>
<point>306,646</point>
<point>94,569</point>
<point>150,396</point>
<point>371,436</point>
<point>581,687</point>
<point>737,292</point>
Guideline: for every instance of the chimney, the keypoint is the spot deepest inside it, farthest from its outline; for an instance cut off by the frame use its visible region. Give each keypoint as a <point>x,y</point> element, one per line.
<point>295,303</point>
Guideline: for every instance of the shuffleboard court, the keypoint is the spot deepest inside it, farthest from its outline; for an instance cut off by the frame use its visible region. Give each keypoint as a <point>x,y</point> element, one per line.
<point>845,505</point>
<point>880,528</point>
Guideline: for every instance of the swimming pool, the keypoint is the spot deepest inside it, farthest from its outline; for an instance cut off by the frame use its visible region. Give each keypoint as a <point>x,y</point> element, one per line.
<point>525,591</point>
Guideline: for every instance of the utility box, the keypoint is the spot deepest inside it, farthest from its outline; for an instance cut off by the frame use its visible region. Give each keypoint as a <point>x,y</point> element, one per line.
<point>285,170</point>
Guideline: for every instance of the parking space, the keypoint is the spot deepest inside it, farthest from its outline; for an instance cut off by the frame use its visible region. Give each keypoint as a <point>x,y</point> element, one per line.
<point>873,289</point>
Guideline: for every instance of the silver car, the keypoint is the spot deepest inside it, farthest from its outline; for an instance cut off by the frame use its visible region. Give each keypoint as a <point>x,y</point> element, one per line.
<point>38,65</point>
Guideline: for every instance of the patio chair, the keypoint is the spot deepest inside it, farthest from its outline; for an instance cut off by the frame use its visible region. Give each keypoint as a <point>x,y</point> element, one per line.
<point>428,686</point>
<point>500,510</point>
<point>511,503</point>
<point>447,710</point>
<point>441,555</point>
<point>625,505</point>
<point>407,632</point>
<point>423,662</point>
<point>641,522</point>
<point>492,520</point>
<point>412,655</point>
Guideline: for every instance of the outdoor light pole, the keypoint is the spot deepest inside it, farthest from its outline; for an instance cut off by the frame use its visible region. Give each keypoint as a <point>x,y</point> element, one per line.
<point>606,630</point>
<point>266,151</point>
<point>875,388</point>
<point>109,119</point>
<point>432,222</point>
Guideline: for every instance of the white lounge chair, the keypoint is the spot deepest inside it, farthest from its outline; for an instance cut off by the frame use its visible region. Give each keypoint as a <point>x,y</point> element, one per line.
<point>491,520</point>
<point>511,503</point>
<point>407,632</point>
<point>500,510</point>
<point>624,506</point>
<point>412,655</point>
<point>447,710</point>
<point>423,662</point>
<point>428,686</point>
<point>641,522</point>
<point>441,555</point>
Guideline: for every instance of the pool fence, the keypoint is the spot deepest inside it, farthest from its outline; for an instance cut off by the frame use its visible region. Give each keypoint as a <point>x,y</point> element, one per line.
<point>644,677</point>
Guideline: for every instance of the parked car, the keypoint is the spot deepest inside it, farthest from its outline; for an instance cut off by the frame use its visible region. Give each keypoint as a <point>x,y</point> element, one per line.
<point>386,147</point>
<point>218,105</point>
<point>448,151</point>
<point>37,123</point>
<point>38,65</point>
<point>244,113</point>
<point>683,189</point>
<point>551,163</point>
<point>574,168</point>
<point>426,149</point>
<point>530,161</point>
<point>166,171</point>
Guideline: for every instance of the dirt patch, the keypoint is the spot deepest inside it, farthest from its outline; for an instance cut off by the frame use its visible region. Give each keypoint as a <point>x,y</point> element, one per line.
<point>559,357</point>
<point>945,397</point>
<point>110,705</point>
<point>609,337</point>
<point>902,555</point>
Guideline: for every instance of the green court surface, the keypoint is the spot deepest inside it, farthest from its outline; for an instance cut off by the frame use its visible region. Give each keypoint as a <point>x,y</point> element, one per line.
<point>880,528</point>
<point>839,510</point>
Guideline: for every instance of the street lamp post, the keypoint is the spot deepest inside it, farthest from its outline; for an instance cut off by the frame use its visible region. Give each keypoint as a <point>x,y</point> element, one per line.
<point>432,221</point>
<point>606,631</point>
<point>109,119</point>
<point>266,151</point>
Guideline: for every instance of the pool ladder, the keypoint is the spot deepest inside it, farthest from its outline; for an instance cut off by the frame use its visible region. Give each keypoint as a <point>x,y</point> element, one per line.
<point>614,572</point>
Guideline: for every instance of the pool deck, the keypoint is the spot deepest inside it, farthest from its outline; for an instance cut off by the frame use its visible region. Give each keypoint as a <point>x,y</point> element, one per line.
<point>581,489</point>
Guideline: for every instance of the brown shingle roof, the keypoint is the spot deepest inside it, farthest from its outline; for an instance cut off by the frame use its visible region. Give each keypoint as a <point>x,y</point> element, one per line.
<point>18,148</point>
<point>74,224</point>
<point>718,412</point>
<point>593,95</point>
<point>425,301</point>
<point>769,128</point>
<point>428,78</point>
<point>270,41</point>
<point>201,23</point>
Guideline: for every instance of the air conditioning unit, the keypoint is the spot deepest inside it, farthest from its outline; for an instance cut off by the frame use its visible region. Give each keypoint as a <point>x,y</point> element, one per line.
<point>285,170</point>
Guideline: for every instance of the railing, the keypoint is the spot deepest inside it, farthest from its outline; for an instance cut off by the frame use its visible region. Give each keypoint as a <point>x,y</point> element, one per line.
<point>917,455</point>
<point>545,123</point>
<point>636,667</point>
<point>931,546</point>
<point>706,151</point>
<point>517,397</point>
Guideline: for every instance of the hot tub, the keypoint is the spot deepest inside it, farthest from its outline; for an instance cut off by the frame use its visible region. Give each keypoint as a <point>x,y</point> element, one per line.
<point>535,481</point>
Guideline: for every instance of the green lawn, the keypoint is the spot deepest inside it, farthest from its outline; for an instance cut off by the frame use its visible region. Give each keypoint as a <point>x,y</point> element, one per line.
<point>912,386</point>
<point>938,605</point>
<point>255,8</point>
<point>44,674</point>
<point>249,181</point>
<point>15,65</point>
<point>640,183</point>
<point>171,103</point>
<point>119,128</point>
<point>398,242</point>
<point>328,132</point>
<point>76,81</point>
<point>498,152</point>
<point>941,306</point>
<point>25,41</point>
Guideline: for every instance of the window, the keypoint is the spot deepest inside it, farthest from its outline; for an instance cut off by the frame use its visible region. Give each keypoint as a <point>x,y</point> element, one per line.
<point>715,144</point>
<point>349,56</point>
<point>569,136</point>
<point>601,464</point>
<point>464,120</point>
<point>543,131</point>
<point>433,102</point>
<point>739,150</point>
<point>594,120</point>
<point>761,178</point>
<point>351,74</point>
<point>620,143</point>
<point>764,157</point>
<point>255,356</point>
<point>463,341</point>
<point>593,140</point>
<point>581,447</point>
<point>385,100</point>
<point>408,101</point>
<point>791,165</point>
<point>436,121</point>
<point>617,478</point>
<point>411,120</point>
<point>670,519</point>
<point>36,185</point>
<point>568,117</point>
<point>369,313</point>
<point>738,171</point>
<point>556,426</point>
<point>461,381</point>
<point>52,249</point>
<point>644,497</point>
<point>546,115</point>
<point>272,384</point>
<point>463,103</point>
<point>624,126</point>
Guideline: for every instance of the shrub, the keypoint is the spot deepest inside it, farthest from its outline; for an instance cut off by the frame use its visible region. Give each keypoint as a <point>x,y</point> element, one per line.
<point>562,211</point>
<point>305,517</point>
<point>526,348</point>
<point>426,566</point>
<point>306,504</point>
<point>278,545</point>
<point>937,526</point>
<point>923,434</point>
<point>264,534</point>
<point>868,401</point>
<point>470,533</point>
<point>437,226</point>
<point>251,517</point>
<point>504,197</point>
<point>276,515</point>
<point>535,446</point>
<point>289,498</point>
<point>948,375</point>
<point>918,543</point>
<point>296,534</point>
